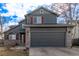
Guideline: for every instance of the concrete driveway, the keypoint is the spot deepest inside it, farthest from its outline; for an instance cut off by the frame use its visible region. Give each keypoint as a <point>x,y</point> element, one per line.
<point>49,51</point>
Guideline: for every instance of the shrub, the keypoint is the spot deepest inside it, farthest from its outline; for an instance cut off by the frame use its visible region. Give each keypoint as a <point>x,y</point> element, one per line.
<point>10,43</point>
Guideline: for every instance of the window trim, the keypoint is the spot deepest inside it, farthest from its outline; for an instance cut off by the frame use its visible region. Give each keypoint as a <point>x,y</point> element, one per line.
<point>38,20</point>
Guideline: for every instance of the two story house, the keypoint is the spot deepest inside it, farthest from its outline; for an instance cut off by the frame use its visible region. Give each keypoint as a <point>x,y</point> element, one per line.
<point>42,30</point>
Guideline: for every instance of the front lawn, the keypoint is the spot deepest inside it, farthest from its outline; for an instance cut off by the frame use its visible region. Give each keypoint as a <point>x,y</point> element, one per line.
<point>13,52</point>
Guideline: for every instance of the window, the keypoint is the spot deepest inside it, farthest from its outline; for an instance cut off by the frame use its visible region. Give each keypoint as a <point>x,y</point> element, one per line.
<point>12,37</point>
<point>37,20</point>
<point>41,11</point>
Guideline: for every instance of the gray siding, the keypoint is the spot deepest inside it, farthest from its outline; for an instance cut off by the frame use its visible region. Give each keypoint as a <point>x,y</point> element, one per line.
<point>49,18</point>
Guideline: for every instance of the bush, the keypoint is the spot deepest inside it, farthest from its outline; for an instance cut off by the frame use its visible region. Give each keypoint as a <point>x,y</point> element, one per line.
<point>75,42</point>
<point>10,43</point>
<point>1,43</point>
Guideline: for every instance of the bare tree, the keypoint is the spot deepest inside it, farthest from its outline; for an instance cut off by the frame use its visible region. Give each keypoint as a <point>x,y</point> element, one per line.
<point>68,11</point>
<point>72,14</point>
<point>1,27</point>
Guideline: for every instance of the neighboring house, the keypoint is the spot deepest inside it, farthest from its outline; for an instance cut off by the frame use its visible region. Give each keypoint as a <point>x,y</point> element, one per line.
<point>42,30</point>
<point>16,33</point>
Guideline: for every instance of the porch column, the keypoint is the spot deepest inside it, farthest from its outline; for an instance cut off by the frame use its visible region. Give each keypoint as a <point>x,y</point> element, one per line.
<point>27,37</point>
<point>19,40</point>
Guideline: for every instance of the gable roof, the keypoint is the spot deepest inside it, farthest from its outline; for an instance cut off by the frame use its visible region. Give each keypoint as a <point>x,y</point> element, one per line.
<point>44,9</point>
<point>11,28</point>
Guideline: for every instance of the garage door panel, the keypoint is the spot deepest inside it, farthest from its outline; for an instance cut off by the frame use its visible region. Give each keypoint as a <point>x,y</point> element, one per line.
<point>46,34</point>
<point>42,38</point>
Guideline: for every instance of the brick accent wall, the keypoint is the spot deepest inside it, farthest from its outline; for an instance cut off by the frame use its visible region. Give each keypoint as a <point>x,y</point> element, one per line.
<point>27,38</point>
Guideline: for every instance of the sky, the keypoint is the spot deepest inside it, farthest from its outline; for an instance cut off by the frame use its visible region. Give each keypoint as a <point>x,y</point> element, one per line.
<point>13,11</point>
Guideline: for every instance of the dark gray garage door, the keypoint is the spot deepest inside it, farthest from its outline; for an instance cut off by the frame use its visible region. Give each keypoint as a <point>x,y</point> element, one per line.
<point>47,37</point>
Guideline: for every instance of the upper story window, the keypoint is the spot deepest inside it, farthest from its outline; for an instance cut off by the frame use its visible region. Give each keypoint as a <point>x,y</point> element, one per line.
<point>38,20</point>
<point>41,11</point>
